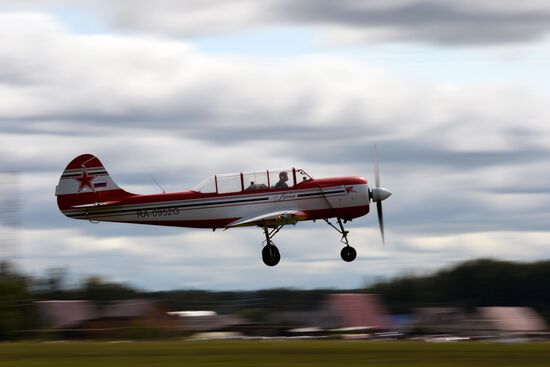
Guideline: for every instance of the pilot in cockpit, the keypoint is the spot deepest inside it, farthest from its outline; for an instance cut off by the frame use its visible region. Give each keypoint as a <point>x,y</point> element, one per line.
<point>255,186</point>
<point>283,178</point>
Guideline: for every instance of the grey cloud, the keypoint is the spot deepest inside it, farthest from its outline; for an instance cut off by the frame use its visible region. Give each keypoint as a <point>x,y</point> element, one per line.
<point>188,263</point>
<point>303,137</point>
<point>457,212</point>
<point>428,204</point>
<point>440,22</point>
<point>443,22</point>
<point>227,100</point>
<point>417,153</point>
<point>525,189</point>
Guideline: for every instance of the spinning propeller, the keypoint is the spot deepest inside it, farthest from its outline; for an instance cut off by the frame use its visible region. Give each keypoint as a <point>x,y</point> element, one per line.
<point>378,194</point>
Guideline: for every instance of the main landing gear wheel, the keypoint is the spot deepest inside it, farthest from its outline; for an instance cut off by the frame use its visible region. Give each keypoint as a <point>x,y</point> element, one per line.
<point>271,255</point>
<point>270,252</point>
<point>348,254</point>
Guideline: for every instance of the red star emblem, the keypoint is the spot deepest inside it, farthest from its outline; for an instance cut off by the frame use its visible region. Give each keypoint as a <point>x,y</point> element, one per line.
<point>85,180</point>
<point>350,189</point>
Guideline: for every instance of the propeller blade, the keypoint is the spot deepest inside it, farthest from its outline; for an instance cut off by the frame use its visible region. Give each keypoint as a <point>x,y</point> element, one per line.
<point>378,194</point>
<point>376,167</point>
<point>380,220</point>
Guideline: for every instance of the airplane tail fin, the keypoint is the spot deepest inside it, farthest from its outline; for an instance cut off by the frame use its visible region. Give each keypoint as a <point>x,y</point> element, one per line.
<point>85,183</point>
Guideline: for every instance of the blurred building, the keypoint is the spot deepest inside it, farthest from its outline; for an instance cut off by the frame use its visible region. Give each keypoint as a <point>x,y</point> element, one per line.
<point>358,310</point>
<point>206,321</point>
<point>441,320</point>
<point>510,321</point>
<point>341,312</point>
<point>118,319</point>
<point>64,314</point>
<point>486,322</point>
<point>129,318</point>
<point>143,309</point>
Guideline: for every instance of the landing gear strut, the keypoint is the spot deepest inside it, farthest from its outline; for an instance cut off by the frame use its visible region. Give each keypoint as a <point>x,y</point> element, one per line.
<point>270,252</point>
<point>348,253</point>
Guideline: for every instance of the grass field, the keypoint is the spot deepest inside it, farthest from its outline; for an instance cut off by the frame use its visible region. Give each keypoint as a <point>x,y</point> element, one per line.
<point>273,353</point>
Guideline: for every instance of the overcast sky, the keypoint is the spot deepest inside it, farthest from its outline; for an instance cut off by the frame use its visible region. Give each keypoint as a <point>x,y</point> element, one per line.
<point>455,95</point>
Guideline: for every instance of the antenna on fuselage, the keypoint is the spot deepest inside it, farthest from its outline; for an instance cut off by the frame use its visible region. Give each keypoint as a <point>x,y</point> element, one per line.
<point>155,181</point>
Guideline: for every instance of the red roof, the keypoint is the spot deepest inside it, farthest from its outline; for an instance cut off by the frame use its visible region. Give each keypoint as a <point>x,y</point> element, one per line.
<point>359,310</point>
<point>518,319</point>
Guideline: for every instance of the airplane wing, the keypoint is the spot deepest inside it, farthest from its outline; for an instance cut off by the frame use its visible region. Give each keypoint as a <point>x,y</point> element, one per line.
<point>271,219</point>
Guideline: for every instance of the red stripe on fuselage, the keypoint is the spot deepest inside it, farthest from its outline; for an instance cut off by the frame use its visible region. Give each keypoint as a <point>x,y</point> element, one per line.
<point>344,213</point>
<point>107,212</point>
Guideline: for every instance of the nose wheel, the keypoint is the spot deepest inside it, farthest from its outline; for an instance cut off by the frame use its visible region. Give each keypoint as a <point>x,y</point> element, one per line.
<point>270,252</point>
<point>348,253</point>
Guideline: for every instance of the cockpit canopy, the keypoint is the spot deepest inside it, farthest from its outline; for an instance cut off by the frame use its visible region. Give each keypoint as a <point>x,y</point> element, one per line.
<point>250,181</point>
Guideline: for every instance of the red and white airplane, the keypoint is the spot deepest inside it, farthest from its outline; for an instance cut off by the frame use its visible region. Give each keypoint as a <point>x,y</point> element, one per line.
<point>267,199</point>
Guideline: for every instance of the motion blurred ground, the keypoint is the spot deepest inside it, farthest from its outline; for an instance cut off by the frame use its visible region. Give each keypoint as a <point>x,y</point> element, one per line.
<point>273,353</point>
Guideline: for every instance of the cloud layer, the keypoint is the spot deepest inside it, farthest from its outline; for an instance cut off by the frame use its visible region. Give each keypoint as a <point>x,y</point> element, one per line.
<point>443,22</point>
<point>467,162</point>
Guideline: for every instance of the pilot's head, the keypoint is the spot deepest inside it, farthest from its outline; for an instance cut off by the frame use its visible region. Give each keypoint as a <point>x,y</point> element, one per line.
<point>283,176</point>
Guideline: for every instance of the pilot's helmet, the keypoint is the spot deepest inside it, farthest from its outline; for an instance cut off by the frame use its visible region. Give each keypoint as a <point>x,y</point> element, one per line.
<point>283,175</point>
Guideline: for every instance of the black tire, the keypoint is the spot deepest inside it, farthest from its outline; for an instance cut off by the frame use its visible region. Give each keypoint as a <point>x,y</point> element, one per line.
<point>271,255</point>
<point>348,254</point>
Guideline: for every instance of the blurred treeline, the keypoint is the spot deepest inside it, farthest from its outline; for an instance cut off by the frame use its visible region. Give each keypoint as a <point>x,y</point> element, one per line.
<point>470,284</point>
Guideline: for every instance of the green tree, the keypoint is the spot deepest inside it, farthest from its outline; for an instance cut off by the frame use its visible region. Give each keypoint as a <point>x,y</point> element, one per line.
<point>13,295</point>
<point>99,290</point>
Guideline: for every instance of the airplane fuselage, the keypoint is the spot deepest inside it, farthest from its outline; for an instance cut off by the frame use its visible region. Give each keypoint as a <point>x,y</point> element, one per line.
<point>343,197</point>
